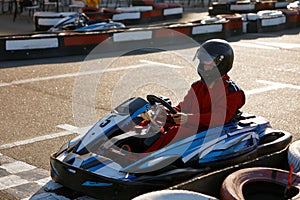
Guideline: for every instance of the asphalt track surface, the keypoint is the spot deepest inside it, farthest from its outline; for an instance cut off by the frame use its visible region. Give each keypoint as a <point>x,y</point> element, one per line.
<point>46,102</point>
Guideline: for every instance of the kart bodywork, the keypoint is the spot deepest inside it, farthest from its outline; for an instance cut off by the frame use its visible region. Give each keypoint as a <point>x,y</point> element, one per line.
<point>80,23</point>
<point>110,160</point>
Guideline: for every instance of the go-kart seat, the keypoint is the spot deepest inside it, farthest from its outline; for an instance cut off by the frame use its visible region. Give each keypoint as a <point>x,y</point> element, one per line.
<point>239,115</point>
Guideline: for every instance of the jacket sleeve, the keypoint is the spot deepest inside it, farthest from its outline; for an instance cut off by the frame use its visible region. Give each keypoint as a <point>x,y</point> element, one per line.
<point>188,99</point>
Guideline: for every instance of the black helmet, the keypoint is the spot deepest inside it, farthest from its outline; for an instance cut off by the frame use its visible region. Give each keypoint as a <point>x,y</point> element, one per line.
<point>217,52</point>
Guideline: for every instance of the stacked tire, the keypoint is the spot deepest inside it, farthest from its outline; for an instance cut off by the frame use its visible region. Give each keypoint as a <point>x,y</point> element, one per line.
<point>174,195</point>
<point>294,155</point>
<point>259,183</point>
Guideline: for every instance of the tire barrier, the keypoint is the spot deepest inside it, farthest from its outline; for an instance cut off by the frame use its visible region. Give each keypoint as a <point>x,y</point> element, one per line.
<point>245,7</point>
<point>208,28</point>
<point>147,11</point>
<point>47,44</point>
<point>268,5</point>
<point>294,5</point>
<point>260,182</point>
<point>174,195</point>
<point>292,17</point>
<point>270,20</point>
<point>142,2</point>
<point>242,8</point>
<point>211,183</point>
<point>218,8</point>
<point>81,43</point>
<point>234,26</point>
<point>294,155</point>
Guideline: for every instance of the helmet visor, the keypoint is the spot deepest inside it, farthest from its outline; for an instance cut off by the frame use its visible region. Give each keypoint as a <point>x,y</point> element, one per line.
<point>205,57</point>
<point>208,65</point>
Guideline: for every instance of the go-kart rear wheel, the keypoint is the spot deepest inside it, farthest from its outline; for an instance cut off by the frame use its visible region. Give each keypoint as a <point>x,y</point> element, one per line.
<point>273,141</point>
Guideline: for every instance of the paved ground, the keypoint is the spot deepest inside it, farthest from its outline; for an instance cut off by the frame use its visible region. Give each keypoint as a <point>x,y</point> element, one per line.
<point>37,96</point>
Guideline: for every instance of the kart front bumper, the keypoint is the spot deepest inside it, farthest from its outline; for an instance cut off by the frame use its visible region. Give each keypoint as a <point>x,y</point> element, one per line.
<point>94,185</point>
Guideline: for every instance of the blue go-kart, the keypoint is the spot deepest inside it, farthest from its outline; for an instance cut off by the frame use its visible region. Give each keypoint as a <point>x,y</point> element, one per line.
<point>81,23</point>
<point>109,161</point>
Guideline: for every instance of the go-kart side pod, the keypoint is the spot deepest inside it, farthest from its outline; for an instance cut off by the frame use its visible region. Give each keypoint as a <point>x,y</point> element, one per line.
<point>152,164</point>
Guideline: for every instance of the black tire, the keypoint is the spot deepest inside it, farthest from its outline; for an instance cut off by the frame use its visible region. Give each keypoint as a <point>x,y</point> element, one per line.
<point>263,181</point>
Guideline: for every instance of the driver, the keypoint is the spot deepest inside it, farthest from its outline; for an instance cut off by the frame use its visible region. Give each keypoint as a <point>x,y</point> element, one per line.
<point>212,101</point>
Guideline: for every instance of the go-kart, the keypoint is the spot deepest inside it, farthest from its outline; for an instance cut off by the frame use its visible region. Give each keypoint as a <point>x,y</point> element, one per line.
<point>110,160</point>
<point>81,22</point>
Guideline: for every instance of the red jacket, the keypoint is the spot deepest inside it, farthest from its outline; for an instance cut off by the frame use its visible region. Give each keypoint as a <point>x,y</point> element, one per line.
<point>208,107</point>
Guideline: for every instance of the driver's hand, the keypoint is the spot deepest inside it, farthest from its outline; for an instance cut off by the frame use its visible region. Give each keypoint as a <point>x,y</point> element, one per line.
<point>146,115</point>
<point>180,118</point>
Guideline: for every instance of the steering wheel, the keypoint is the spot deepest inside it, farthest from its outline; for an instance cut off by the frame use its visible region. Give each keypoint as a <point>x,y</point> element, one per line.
<point>153,99</point>
<point>81,20</point>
